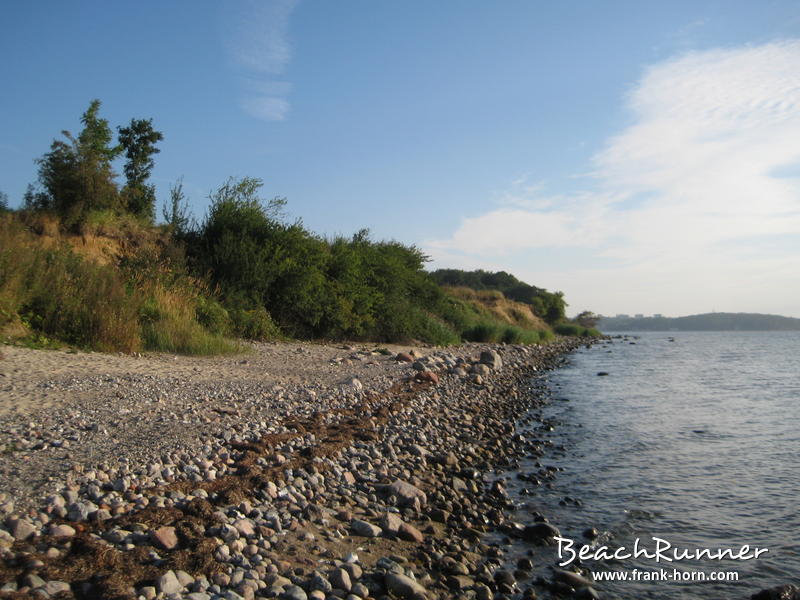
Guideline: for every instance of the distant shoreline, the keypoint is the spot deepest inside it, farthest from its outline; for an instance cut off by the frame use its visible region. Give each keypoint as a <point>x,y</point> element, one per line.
<point>703,322</point>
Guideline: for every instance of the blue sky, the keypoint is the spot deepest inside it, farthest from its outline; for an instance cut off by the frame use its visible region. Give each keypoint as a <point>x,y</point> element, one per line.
<point>639,156</point>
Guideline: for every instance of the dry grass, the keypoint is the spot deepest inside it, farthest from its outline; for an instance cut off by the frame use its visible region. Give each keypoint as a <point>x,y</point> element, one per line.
<point>499,308</point>
<point>51,292</point>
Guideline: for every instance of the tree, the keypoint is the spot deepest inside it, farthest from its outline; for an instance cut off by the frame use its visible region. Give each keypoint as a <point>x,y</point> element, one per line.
<point>96,136</point>
<point>4,202</point>
<point>176,213</point>
<point>587,319</point>
<point>138,140</point>
<point>34,198</point>
<point>76,175</point>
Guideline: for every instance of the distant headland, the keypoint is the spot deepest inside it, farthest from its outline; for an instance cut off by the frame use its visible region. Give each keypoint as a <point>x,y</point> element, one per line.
<point>706,322</point>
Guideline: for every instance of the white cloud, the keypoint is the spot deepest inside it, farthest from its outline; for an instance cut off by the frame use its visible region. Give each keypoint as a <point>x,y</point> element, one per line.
<point>258,43</point>
<point>268,108</point>
<point>682,196</point>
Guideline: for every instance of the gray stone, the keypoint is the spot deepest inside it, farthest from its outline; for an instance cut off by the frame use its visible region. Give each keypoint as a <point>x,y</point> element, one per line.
<point>168,583</point>
<point>33,581</point>
<point>62,531</point>
<point>245,527</point>
<point>410,533</point>
<point>78,511</point>
<point>22,529</point>
<point>390,523</point>
<point>405,587</point>
<point>56,587</point>
<point>318,582</point>
<point>540,531</point>
<point>340,579</point>
<point>407,493</point>
<point>492,359</point>
<point>480,369</point>
<point>365,529</point>
<point>149,592</point>
<point>229,533</point>
<point>355,571</point>
<point>293,592</point>
<point>572,579</point>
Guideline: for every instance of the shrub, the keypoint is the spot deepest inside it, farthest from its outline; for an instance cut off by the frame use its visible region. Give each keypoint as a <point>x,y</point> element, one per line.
<point>483,332</point>
<point>254,324</point>
<point>169,323</point>
<point>568,329</point>
<point>212,315</point>
<point>574,329</point>
<point>517,335</point>
<point>57,293</point>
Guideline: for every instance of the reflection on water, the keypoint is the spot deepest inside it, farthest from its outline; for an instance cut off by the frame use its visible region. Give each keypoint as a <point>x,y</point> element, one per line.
<point>694,441</point>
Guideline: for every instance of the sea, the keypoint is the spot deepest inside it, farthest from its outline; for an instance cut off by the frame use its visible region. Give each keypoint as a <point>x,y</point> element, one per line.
<point>679,441</point>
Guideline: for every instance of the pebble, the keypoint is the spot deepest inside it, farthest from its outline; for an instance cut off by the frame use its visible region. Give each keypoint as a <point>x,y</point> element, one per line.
<point>425,463</point>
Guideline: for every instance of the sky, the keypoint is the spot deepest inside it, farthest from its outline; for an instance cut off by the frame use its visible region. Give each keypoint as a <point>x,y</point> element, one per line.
<point>641,157</point>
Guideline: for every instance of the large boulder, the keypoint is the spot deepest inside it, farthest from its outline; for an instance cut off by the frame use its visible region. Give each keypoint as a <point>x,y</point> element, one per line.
<point>365,529</point>
<point>539,532</point>
<point>405,587</point>
<point>407,494</point>
<point>492,359</point>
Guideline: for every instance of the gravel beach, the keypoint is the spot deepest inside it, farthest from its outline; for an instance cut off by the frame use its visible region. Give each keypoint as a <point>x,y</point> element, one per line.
<point>294,471</point>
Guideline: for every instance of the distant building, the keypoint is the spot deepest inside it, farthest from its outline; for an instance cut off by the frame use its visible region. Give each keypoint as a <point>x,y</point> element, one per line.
<point>623,316</point>
<point>658,316</point>
<point>639,316</point>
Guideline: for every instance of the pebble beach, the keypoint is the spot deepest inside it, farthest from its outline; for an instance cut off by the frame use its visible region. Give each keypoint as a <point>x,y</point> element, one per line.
<point>294,471</point>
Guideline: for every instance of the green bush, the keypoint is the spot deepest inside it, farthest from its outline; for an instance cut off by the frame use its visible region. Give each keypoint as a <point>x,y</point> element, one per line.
<point>254,324</point>
<point>213,316</point>
<point>313,287</point>
<point>517,335</point>
<point>574,329</point>
<point>568,329</point>
<point>483,332</point>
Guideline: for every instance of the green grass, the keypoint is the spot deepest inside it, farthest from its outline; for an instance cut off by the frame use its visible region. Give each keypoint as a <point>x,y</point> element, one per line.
<point>488,332</point>
<point>573,329</point>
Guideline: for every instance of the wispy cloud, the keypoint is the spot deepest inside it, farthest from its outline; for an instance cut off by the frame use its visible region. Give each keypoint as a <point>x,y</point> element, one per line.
<point>681,201</point>
<point>258,43</point>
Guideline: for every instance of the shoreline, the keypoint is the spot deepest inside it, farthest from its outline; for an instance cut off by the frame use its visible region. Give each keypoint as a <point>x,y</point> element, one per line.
<point>317,482</point>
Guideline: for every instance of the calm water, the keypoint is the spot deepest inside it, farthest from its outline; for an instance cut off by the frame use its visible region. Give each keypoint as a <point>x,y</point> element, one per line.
<point>695,441</point>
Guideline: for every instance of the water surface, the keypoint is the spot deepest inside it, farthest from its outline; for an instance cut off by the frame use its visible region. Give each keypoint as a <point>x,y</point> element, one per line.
<point>693,438</point>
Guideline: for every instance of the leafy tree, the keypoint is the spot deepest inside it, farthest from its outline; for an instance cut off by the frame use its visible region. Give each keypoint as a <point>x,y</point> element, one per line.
<point>176,213</point>
<point>312,287</point>
<point>138,140</point>
<point>96,136</point>
<point>34,198</point>
<point>4,202</point>
<point>587,319</point>
<point>76,175</point>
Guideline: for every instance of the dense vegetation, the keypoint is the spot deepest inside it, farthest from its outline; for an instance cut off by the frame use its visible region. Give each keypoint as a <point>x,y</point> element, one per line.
<point>244,270</point>
<point>704,322</point>
<point>550,306</point>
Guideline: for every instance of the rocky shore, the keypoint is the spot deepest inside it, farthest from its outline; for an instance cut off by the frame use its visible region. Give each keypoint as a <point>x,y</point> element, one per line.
<point>380,486</point>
